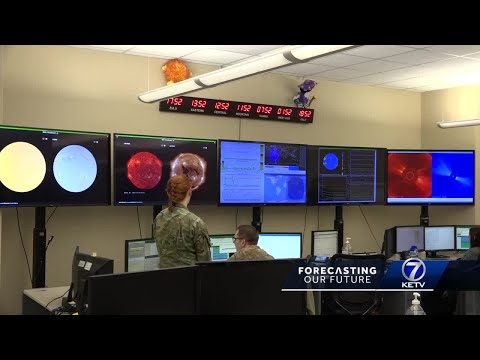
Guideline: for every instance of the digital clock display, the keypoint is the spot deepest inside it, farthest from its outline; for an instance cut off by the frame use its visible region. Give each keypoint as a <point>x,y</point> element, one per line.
<point>194,105</point>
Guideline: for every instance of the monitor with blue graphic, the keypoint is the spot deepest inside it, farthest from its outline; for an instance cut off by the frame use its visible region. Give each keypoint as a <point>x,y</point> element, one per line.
<point>346,175</point>
<point>462,236</point>
<point>425,177</point>
<point>222,247</point>
<point>261,173</point>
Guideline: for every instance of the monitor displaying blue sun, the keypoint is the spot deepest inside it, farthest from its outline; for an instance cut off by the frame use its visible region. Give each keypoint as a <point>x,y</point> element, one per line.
<point>330,161</point>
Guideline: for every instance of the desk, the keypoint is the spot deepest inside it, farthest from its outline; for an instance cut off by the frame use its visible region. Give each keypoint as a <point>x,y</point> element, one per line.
<point>35,300</point>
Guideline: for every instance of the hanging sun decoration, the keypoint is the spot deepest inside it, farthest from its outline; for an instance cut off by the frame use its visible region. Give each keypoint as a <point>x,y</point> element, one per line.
<point>175,70</point>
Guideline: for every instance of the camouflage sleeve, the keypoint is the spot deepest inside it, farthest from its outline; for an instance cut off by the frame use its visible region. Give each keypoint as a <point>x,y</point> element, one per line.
<point>233,257</point>
<point>202,242</point>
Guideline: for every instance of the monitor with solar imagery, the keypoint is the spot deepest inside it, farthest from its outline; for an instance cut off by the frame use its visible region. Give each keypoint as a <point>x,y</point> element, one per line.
<point>431,177</point>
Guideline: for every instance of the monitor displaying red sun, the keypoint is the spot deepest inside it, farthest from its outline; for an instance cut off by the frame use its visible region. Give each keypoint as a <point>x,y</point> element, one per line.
<point>143,164</point>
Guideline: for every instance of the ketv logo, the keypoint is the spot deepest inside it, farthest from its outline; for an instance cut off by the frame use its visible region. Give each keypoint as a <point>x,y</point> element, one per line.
<point>413,270</point>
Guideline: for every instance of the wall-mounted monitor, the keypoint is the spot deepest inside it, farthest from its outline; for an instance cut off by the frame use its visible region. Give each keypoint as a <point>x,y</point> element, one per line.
<point>324,242</point>
<point>143,164</point>
<point>462,237</point>
<point>47,167</point>
<point>262,173</point>
<point>281,245</point>
<point>439,238</point>
<point>346,175</point>
<point>429,177</point>
<point>407,236</point>
<point>141,255</point>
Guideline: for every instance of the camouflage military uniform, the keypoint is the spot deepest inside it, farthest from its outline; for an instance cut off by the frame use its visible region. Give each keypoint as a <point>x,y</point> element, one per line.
<point>181,237</point>
<point>251,252</point>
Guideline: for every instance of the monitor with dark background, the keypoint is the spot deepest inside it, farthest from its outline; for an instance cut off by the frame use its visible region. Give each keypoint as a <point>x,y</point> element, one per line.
<point>83,266</point>
<point>262,173</point>
<point>47,167</point>
<point>430,177</point>
<point>143,164</point>
<point>346,175</point>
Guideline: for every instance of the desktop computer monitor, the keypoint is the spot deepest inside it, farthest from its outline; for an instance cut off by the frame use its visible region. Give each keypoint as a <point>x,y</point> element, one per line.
<point>83,266</point>
<point>406,236</point>
<point>141,255</point>
<point>222,247</point>
<point>324,243</point>
<point>281,245</point>
<point>462,236</point>
<point>439,238</point>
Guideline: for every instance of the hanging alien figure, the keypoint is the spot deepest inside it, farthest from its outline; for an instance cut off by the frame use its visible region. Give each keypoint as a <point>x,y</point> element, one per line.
<point>302,99</point>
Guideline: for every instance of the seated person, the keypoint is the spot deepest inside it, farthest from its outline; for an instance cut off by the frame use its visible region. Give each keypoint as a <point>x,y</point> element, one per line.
<point>468,302</point>
<point>474,252</point>
<point>245,240</point>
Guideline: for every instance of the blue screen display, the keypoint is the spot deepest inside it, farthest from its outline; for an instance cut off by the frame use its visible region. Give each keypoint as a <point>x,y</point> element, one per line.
<point>262,173</point>
<point>431,177</point>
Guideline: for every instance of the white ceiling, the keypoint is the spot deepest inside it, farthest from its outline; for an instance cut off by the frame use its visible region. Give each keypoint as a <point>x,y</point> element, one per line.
<point>409,67</point>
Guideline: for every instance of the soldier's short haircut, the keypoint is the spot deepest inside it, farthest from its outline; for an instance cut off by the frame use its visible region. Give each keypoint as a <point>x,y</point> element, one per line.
<point>249,233</point>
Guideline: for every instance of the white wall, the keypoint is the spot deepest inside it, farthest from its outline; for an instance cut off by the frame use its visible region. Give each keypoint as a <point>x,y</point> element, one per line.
<point>74,88</point>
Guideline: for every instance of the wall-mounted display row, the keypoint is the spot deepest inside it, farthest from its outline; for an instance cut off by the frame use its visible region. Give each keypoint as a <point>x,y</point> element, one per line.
<point>45,167</point>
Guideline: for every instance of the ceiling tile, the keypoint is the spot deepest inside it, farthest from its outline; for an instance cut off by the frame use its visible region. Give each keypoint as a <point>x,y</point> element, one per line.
<point>215,56</point>
<point>115,48</point>
<point>459,50</point>
<point>418,46</point>
<point>418,57</point>
<point>378,51</point>
<point>375,66</point>
<point>338,60</point>
<point>246,49</point>
<point>340,74</point>
<point>304,69</point>
<point>473,56</point>
<point>171,51</point>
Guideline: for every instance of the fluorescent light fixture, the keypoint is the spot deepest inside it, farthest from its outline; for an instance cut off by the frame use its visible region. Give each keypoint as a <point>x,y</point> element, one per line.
<point>272,60</point>
<point>168,91</point>
<point>460,123</point>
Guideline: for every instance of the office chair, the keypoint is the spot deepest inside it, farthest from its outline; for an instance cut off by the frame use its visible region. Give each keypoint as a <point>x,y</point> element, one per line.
<point>354,302</point>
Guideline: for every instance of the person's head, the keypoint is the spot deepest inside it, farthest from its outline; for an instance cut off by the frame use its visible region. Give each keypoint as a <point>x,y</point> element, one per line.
<point>475,237</point>
<point>244,236</point>
<point>179,190</point>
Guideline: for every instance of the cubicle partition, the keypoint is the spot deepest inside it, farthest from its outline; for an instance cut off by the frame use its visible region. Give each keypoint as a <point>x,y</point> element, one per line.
<point>156,292</point>
<point>247,288</point>
<point>237,288</point>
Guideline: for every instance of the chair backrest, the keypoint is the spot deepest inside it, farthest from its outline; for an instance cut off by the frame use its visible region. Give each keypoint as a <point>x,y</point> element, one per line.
<point>355,302</point>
